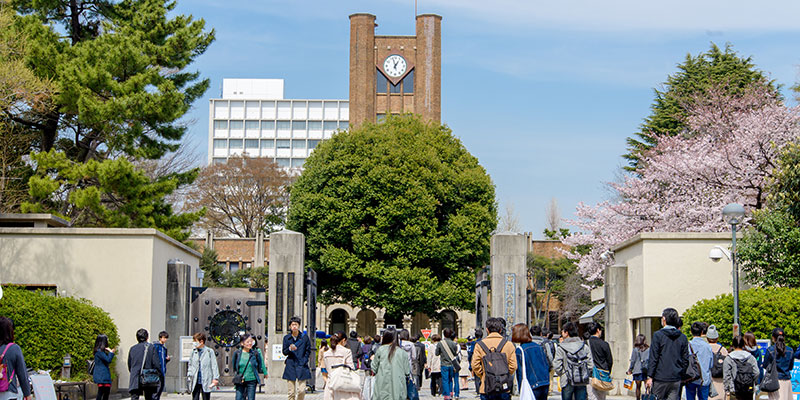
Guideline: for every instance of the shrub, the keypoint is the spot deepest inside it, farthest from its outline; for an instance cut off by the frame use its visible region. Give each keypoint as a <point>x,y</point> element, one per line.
<point>46,327</point>
<point>760,310</point>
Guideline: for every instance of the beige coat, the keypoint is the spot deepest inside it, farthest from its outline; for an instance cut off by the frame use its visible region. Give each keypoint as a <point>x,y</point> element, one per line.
<point>492,341</point>
<point>342,355</point>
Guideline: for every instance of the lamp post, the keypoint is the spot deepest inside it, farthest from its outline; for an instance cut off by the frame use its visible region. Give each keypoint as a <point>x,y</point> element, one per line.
<point>733,214</point>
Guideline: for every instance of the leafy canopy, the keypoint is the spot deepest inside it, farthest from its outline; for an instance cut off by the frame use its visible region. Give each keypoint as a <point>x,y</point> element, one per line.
<point>714,68</point>
<point>108,193</point>
<point>396,215</point>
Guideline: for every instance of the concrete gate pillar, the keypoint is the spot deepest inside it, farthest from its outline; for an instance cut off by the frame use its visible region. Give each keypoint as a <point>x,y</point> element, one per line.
<point>509,278</point>
<point>618,327</point>
<point>407,322</point>
<point>286,288</point>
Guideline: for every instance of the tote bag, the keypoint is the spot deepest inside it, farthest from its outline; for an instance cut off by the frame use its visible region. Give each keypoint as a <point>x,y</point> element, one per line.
<point>525,391</point>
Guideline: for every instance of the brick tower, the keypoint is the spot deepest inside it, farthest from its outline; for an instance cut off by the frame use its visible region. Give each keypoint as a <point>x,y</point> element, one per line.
<point>395,74</point>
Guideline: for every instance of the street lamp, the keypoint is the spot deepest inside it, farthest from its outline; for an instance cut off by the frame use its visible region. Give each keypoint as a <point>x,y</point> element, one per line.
<point>733,214</point>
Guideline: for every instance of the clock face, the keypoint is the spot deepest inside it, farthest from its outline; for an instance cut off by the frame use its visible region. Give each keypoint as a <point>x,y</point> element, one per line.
<point>395,65</point>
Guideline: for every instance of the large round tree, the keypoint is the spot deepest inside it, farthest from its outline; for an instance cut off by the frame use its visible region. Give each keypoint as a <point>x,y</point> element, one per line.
<point>396,215</point>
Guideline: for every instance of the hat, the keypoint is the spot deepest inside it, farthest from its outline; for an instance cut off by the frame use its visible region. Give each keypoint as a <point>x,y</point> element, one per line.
<point>712,332</point>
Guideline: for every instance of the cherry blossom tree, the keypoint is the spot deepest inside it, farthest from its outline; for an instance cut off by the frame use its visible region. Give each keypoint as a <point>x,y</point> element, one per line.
<point>727,154</point>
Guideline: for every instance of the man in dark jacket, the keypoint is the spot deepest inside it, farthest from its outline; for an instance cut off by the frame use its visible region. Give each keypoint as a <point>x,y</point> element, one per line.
<point>601,355</point>
<point>163,358</point>
<point>355,347</point>
<point>297,349</point>
<point>137,357</point>
<point>669,357</point>
<point>419,361</point>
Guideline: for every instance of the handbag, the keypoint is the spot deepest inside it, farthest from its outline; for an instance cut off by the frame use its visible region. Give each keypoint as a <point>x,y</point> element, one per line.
<point>453,361</point>
<point>344,379</point>
<point>525,390</point>
<point>693,370</point>
<point>411,389</point>
<point>148,377</point>
<point>770,382</point>
<point>601,380</point>
<point>649,396</point>
<point>238,377</point>
<point>90,366</point>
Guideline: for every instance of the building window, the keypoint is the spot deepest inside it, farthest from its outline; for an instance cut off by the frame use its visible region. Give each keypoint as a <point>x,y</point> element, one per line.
<point>284,144</point>
<point>282,162</point>
<point>298,144</point>
<point>220,125</point>
<point>331,126</point>
<point>234,266</point>
<point>315,125</point>
<point>312,144</point>
<point>237,125</point>
<point>246,265</point>
<point>381,83</point>
<point>251,144</point>
<point>268,144</point>
<point>284,125</point>
<point>236,144</point>
<point>408,82</point>
<point>298,162</point>
<point>268,126</point>
<point>394,88</point>
<point>220,144</point>
<point>251,125</point>
<point>218,161</point>
<point>381,117</point>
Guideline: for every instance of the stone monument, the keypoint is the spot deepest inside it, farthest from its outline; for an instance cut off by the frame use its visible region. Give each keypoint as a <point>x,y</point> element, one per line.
<point>509,278</point>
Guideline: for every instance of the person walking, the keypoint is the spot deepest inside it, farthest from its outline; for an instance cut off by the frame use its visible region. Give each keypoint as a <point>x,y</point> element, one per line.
<point>366,363</point>
<point>533,357</point>
<point>405,342</point>
<point>751,346</point>
<point>782,356</point>
<point>203,370</point>
<point>494,347</point>
<point>418,361</point>
<point>247,363</point>
<point>13,364</point>
<point>573,363</point>
<point>297,349</point>
<point>101,375</point>
<point>463,372</point>
<point>336,358</point>
<point>740,371</point>
<point>435,366</point>
<point>323,373</point>
<point>602,358</point>
<point>163,358</point>
<point>699,389</point>
<point>392,369</point>
<point>470,352</point>
<point>142,356</point>
<point>669,357</point>
<point>720,354</point>
<point>355,347</point>
<point>447,349</point>
<point>638,367</point>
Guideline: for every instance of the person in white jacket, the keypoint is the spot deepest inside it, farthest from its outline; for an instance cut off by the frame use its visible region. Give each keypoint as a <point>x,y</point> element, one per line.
<point>203,370</point>
<point>739,358</point>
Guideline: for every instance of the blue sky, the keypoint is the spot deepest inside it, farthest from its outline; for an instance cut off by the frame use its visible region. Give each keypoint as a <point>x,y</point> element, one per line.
<point>542,94</point>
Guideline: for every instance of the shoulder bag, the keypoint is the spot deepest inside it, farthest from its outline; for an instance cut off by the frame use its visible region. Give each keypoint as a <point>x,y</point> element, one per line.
<point>453,360</point>
<point>238,377</point>
<point>770,382</point>
<point>525,391</point>
<point>148,377</point>
<point>411,389</point>
<point>342,378</point>
<point>601,379</point>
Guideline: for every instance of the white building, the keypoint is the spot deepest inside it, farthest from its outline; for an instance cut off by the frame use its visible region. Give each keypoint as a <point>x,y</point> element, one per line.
<point>253,118</point>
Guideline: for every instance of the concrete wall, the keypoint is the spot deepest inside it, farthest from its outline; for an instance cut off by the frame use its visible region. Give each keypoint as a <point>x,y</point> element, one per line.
<point>122,271</point>
<point>653,271</point>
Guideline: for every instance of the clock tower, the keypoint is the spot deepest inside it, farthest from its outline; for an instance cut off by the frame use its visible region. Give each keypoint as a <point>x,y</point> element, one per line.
<point>395,74</point>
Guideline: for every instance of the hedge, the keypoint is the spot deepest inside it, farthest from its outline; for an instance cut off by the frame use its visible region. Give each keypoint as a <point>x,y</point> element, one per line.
<point>46,327</point>
<point>760,311</point>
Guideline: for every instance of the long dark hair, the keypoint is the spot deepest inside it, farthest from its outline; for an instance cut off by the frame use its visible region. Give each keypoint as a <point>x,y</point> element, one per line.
<point>750,339</point>
<point>101,343</point>
<point>336,338</point>
<point>6,330</point>
<point>738,342</point>
<point>779,338</point>
<point>390,337</point>
<point>640,342</point>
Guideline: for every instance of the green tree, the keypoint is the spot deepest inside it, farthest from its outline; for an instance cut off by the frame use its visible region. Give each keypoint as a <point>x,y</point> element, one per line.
<point>396,215</point>
<point>761,310</point>
<point>696,74</point>
<point>549,276</point>
<point>108,193</point>
<point>120,72</point>
<point>212,271</point>
<point>770,250</point>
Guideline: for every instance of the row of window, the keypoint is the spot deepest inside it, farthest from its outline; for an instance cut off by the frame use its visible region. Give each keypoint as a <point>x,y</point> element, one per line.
<point>236,144</point>
<point>236,125</point>
<point>289,109</point>
<point>383,85</point>
<point>282,162</point>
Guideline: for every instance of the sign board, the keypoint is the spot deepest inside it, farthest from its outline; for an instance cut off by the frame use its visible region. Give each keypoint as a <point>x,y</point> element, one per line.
<point>762,344</point>
<point>43,387</point>
<point>426,333</point>
<point>391,327</point>
<point>186,345</point>
<point>796,379</point>
<point>277,352</point>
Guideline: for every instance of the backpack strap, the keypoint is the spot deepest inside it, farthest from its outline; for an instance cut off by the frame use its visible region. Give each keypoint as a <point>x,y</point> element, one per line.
<point>483,346</point>
<point>500,346</point>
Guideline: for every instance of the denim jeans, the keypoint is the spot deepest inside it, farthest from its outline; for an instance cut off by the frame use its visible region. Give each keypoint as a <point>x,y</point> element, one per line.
<point>496,396</point>
<point>246,391</point>
<point>570,392</point>
<point>449,382</point>
<point>693,389</point>
<point>541,392</point>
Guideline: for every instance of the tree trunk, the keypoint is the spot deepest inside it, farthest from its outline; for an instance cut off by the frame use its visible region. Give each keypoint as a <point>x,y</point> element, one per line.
<point>75,21</point>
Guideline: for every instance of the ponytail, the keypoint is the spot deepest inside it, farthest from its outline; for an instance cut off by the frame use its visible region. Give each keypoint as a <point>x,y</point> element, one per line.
<point>336,339</point>
<point>779,338</point>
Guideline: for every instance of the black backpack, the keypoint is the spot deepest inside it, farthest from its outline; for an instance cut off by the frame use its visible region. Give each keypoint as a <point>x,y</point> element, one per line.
<point>745,379</point>
<point>577,366</point>
<point>716,367</point>
<point>496,376</point>
<point>693,371</point>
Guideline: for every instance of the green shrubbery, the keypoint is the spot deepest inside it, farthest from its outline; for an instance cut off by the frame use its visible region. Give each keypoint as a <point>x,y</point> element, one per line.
<point>47,327</point>
<point>760,310</point>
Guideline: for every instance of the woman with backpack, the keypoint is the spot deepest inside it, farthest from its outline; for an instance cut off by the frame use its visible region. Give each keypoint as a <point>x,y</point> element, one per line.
<point>751,346</point>
<point>781,354</point>
<point>532,358</point>
<point>101,373</point>
<point>247,363</point>
<point>339,356</point>
<point>13,365</point>
<point>391,368</point>
<point>720,354</point>
<point>638,367</point>
<point>573,364</point>
<point>740,371</point>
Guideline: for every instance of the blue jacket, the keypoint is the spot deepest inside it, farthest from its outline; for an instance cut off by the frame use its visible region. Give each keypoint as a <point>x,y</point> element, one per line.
<point>102,372</point>
<point>785,363</point>
<point>161,352</point>
<point>537,367</point>
<point>296,368</point>
<point>705,357</point>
